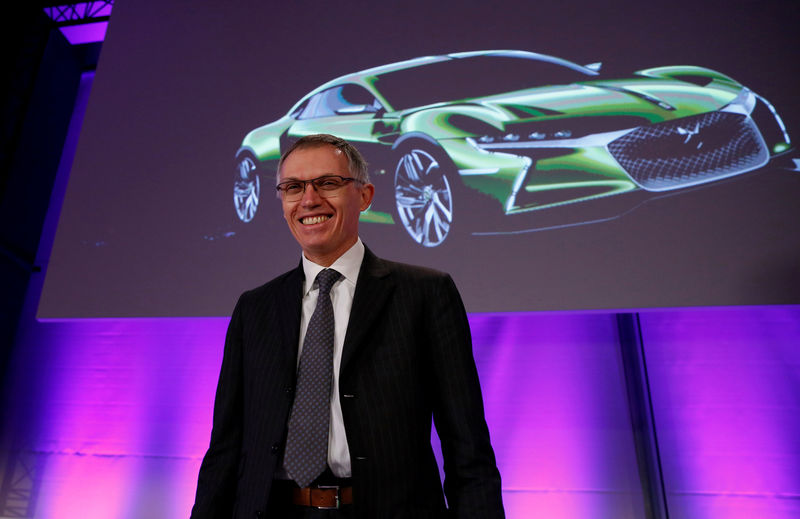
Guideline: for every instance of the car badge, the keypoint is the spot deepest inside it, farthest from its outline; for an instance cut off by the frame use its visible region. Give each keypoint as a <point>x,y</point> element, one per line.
<point>689,133</point>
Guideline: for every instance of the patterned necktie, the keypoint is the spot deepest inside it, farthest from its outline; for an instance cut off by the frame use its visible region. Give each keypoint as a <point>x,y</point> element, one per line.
<point>307,441</point>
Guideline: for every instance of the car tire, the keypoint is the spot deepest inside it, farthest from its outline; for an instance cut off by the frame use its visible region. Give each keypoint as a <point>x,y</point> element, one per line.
<point>246,188</point>
<point>423,188</point>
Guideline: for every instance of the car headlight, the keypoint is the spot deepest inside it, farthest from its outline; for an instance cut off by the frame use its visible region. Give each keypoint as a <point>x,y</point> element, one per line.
<point>555,129</point>
<point>525,136</point>
<point>743,103</point>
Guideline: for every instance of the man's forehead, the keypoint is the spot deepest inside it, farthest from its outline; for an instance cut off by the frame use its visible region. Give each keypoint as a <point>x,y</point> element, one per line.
<point>317,160</point>
<point>315,149</point>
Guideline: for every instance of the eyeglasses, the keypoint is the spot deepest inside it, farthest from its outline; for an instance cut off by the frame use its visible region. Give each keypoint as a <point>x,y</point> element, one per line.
<point>327,187</point>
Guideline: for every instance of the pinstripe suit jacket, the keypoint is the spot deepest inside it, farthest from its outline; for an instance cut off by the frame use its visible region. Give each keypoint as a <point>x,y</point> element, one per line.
<point>407,357</point>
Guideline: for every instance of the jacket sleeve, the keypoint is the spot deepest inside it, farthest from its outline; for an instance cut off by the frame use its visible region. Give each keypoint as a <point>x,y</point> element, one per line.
<point>216,482</point>
<point>472,480</point>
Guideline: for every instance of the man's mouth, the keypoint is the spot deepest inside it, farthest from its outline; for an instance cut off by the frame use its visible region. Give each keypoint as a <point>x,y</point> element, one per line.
<point>311,220</point>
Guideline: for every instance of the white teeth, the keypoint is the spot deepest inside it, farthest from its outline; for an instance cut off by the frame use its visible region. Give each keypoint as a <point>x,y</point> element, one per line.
<point>310,220</point>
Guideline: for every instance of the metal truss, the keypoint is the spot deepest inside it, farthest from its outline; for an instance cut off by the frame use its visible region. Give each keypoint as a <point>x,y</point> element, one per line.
<point>78,13</point>
<point>20,483</point>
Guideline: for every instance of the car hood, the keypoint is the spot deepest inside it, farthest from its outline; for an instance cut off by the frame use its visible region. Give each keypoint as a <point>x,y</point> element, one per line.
<point>653,99</point>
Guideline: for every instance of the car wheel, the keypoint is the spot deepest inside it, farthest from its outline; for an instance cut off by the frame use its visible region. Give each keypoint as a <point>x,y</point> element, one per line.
<point>424,195</point>
<point>246,188</point>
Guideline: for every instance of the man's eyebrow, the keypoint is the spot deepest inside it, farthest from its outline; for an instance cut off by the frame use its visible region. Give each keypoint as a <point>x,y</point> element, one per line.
<point>295,179</point>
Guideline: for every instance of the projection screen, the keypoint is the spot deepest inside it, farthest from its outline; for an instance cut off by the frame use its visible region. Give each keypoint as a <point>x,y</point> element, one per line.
<point>550,157</point>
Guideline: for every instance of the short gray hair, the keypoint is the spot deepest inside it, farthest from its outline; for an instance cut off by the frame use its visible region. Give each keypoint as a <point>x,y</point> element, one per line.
<point>356,163</point>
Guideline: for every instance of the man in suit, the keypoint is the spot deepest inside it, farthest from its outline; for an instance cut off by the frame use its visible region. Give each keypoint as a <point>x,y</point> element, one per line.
<point>389,346</point>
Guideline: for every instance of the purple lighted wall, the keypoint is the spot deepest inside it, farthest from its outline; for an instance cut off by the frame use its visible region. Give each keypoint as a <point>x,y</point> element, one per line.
<point>726,398</point>
<point>556,406</point>
<point>117,413</point>
<point>120,412</point>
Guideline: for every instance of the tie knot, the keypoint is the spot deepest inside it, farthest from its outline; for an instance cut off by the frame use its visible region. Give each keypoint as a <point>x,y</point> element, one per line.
<point>325,279</point>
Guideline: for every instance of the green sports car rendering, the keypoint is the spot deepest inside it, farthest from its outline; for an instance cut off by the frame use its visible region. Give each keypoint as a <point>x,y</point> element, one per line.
<point>515,132</point>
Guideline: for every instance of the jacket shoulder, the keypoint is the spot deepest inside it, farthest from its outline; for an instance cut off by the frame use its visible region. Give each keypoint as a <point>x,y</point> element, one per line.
<point>416,272</point>
<point>287,283</point>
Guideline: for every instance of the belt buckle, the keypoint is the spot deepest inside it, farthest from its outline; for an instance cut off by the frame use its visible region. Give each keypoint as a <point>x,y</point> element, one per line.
<point>338,493</point>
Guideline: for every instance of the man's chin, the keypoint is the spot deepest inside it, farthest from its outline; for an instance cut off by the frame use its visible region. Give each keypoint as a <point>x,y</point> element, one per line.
<point>312,240</point>
<point>315,246</point>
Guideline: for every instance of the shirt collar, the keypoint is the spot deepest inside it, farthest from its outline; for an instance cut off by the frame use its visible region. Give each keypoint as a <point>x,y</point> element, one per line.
<point>348,265</point>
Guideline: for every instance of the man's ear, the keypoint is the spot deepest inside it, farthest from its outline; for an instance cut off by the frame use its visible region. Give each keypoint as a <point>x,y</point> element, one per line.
<point>367,192</point>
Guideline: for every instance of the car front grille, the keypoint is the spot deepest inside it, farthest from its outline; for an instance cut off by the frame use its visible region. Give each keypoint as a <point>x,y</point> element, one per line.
<point>690,150</point>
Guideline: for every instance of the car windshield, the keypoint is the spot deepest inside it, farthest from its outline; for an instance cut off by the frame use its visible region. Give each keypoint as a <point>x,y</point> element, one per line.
<point>467,78</point>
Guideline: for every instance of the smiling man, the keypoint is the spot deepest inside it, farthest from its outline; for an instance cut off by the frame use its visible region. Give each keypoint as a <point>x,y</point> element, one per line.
<point>324,219</point>
<point>333,372</point>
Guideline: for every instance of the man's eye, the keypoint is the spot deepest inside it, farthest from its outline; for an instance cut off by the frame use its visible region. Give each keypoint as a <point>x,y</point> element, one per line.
<point>328,182</point>
<point>290,188</point>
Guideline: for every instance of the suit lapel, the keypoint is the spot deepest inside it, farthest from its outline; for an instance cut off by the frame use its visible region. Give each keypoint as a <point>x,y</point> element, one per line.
<point>373,290</point>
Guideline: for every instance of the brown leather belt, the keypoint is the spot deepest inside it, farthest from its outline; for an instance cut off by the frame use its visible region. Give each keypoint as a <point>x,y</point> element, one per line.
<point>323,497</point>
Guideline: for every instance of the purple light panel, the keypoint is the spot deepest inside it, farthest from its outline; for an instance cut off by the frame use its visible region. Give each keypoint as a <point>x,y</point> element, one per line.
<point>87,33</point>
<point>726,398</point>
<point>118,413</point>
<point>120,410</point>
<point>556,407</point>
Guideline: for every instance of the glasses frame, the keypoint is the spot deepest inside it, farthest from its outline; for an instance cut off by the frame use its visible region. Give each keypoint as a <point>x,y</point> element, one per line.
<point>316,185</point>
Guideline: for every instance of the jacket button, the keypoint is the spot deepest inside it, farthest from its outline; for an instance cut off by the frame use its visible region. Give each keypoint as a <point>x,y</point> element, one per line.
<point>259,514</point>
<point>275,448</point>
<point>289,390</point>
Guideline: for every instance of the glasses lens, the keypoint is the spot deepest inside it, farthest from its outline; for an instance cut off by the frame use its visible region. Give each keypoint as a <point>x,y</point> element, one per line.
<point>291,190</point>
<point>328,183</point>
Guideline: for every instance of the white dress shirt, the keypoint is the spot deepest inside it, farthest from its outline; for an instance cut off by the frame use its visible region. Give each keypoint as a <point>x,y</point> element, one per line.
<point>342,292</point>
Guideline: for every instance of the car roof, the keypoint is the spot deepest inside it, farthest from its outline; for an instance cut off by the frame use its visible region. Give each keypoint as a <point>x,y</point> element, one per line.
<point>360,77</point>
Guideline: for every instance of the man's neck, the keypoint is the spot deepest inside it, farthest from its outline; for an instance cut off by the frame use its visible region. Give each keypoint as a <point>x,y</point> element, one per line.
<point>326,260</point>
<point>348,265</point>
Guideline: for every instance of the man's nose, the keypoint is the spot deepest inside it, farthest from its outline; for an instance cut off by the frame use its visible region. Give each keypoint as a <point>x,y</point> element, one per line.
<point>310,194</point>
